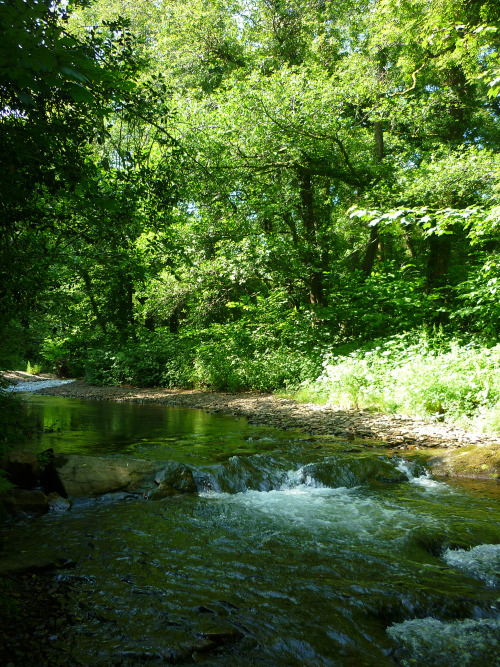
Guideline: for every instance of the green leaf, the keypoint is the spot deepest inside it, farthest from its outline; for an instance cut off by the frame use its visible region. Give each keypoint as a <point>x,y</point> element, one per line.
<point>73,74</point>
<point>80,94</point>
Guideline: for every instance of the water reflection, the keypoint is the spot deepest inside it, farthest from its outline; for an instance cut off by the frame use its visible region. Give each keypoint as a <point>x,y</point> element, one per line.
<point>147,431</point>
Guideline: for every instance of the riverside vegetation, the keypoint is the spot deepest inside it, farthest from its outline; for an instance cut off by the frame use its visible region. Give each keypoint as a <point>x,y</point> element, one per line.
<point>298,197</point>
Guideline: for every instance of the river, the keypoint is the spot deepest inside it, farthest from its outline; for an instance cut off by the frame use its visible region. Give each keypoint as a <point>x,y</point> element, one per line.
<point>298,550</point>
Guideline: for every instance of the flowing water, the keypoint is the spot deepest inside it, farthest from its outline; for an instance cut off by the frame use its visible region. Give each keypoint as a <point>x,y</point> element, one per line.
<point>297,550</point>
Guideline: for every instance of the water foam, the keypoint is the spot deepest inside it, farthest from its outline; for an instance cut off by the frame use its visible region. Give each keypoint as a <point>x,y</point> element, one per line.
<point>422,479</point>
<point>482,562</point>
<point>427,641</point>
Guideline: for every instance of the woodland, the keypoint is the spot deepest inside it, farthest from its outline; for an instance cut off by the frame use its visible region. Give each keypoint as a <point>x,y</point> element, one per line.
<point>272,195</point>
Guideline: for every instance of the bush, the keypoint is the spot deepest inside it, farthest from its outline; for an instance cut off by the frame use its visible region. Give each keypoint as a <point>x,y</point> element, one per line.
<point>234,356</point>
<point>160,359</point>
<point>224,366</point>
<point>425,376</point>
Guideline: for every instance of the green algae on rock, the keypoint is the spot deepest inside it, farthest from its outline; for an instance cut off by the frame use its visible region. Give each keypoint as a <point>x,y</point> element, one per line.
<point>472,461</point>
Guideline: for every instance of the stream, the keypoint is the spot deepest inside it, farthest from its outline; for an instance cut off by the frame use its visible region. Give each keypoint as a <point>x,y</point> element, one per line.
<point>298,550</point>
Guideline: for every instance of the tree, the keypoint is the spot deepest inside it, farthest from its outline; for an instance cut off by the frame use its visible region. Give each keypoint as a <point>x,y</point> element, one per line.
<point>64,96</point>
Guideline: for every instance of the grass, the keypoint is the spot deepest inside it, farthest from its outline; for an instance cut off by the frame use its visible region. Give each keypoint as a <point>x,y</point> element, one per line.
<point>419,375</point>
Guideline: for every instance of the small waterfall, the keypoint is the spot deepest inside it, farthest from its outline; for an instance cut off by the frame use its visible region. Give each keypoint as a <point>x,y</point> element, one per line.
<point>418,475</point>
<point>263,472</point>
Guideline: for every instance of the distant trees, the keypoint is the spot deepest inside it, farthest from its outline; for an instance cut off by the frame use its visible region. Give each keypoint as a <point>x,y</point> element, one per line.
<point>178,167</point>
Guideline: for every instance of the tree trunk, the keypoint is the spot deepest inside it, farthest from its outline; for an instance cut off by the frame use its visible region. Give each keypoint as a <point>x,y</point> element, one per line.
<point>371,251</point>
<point>88,287</point>
<point>125,307</point>
<point>439,259</point>
<point>311,256</point>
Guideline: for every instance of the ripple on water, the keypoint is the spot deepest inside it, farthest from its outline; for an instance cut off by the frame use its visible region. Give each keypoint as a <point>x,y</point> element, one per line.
<point>30,387</point>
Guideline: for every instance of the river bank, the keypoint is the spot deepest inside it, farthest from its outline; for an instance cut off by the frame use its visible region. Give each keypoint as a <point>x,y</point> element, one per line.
<point>453,451</point>
<point>396,430</point>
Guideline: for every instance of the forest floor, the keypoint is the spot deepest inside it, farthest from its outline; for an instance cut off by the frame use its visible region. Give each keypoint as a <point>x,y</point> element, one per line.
<point>397,431</point>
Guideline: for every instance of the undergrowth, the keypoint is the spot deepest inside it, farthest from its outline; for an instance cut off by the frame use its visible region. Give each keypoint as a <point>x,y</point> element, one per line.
<point>422,375</point>
<point>223,358</point>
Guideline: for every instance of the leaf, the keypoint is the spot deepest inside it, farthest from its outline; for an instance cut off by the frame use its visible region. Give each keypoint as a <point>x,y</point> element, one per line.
<point>80,94</point>
<point>73,74</point>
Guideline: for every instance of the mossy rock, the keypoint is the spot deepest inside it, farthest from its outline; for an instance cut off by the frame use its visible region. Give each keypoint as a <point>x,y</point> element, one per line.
<point>472,461</point>
<point>76,475</point>
<point>27,501</point>
<point>176,480</point>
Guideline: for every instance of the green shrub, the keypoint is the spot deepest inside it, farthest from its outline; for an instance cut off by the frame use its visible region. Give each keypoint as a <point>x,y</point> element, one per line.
<point>225,367</point>
<point>232,357</point>
<point>425,376</point>
<point>241,356</point>
<point>33,369</point>
<point>65,355</point>
<point>153,360</point>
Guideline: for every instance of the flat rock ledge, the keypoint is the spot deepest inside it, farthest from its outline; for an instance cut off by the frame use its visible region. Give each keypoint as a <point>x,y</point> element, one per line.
<point>398,431</point>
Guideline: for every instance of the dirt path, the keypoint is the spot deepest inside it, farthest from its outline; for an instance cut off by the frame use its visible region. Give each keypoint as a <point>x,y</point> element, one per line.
<point>396,430</point>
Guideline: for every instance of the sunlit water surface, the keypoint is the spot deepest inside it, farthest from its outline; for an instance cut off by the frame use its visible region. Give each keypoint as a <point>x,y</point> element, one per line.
<point>296,551</point>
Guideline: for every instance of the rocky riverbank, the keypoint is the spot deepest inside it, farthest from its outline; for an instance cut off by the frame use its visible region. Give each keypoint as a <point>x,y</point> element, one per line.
<point>395,430</point>
<point>452,451</point>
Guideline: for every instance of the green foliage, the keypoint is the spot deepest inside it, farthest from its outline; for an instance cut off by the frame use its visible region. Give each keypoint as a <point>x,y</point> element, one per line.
<point>478,306</point>
<point>33,369</point>
<point>430,376</point>
<point>223,357</point>
<point>390,300</point>
<point>153,361</point>
<point>236,357</point>
<point>213,194</point>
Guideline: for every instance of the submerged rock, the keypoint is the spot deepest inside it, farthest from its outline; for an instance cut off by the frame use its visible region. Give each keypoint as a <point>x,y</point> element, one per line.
<point>22,500</point>
<point>176,480</point>
<point>220,634</point>
<point>22,468</point>
<point>29,563</point>
<point>75,475</point>
<point>351,471</point>
<point>57,503</point>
